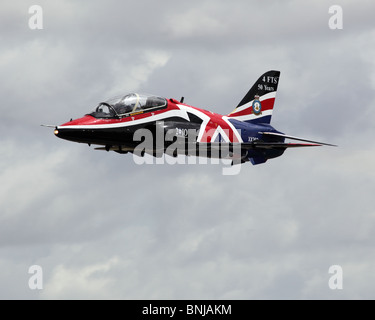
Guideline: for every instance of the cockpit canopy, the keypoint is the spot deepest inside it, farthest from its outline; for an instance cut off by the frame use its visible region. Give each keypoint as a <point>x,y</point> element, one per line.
<point>133,103</point>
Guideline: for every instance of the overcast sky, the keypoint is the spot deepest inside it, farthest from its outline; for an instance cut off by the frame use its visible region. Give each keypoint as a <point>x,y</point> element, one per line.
<point>101,226</point>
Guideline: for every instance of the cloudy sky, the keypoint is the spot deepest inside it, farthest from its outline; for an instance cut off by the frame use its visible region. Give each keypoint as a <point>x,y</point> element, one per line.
<point>101,226</point>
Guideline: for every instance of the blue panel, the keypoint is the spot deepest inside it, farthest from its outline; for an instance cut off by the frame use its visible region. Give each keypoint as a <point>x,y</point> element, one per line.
<point>257,160</point>
<point>265,120</point>
<point>251,130</point>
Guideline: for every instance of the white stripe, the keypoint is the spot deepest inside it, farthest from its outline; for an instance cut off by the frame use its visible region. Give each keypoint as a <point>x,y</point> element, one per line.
<point>199,114</point>
<point>182,113</point>
<point>253,116</point>
<point>249,104</point>
<point>220,130</point>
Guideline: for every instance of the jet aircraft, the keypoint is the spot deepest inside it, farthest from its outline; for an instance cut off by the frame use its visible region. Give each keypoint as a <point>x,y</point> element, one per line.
<point>139,124</point>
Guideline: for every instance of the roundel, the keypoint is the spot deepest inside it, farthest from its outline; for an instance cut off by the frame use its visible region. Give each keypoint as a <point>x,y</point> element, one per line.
<point>257,107</point>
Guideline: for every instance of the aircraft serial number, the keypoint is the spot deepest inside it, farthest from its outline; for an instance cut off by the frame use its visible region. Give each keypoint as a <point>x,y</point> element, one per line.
<point>181,132</point>
<point>251,139</point>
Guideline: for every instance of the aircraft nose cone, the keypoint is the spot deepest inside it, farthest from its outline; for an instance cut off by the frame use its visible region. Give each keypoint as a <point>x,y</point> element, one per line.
<point>67,134</point>
<point>73,134</point>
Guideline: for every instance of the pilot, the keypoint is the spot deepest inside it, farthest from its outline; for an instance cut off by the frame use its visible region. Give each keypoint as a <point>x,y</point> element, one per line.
<point>120,108</point>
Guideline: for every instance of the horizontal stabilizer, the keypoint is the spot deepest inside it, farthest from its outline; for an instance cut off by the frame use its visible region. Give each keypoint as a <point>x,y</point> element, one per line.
<point>276,145</point>
<point>248,145</point>
<point>316,143</point>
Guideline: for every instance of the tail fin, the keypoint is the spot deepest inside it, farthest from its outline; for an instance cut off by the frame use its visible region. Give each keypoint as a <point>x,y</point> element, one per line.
<point>257,105</point>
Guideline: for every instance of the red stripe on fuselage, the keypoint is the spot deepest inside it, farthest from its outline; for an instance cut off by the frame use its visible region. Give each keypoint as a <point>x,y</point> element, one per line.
<point>88,120</point>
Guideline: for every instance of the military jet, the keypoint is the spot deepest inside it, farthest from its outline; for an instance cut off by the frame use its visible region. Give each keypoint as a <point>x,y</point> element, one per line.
<point>143,123</point>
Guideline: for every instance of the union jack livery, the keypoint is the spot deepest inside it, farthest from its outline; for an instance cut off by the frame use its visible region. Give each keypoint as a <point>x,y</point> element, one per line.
<point>140,124</point>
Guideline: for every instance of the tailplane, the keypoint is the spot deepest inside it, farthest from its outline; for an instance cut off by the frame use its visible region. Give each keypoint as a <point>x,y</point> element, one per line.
<point>257,105</point>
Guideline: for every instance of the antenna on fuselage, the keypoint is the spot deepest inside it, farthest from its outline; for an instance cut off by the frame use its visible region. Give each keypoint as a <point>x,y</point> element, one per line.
<point>182,99</point>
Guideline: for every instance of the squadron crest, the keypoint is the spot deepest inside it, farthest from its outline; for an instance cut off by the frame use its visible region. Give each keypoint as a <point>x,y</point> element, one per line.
<point>257,106</point>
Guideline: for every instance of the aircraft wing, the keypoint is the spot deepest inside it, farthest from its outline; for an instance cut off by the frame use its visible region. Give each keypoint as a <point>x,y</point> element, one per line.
<point>276,145</point>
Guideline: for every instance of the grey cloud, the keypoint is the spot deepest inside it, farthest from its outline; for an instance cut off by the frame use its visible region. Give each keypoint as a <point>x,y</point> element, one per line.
<point>102,226</point>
